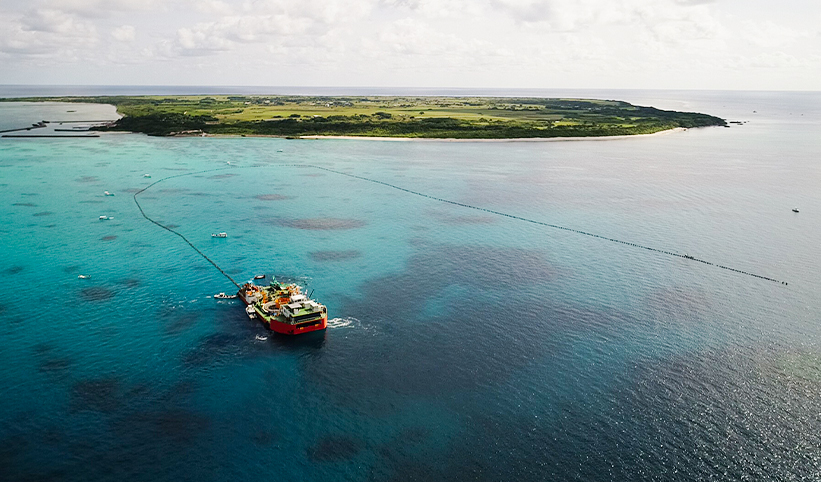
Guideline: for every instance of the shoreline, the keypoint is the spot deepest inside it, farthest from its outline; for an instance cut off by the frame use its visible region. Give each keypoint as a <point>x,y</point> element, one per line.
<point>446,139</point>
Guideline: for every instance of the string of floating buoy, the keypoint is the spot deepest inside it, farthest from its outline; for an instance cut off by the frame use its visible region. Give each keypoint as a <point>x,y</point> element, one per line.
<point>177,232</point>
<point>554,226</point>
<point>447,201</point>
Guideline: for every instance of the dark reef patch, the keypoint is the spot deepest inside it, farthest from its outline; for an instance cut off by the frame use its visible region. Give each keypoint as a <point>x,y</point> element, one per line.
<point>96,293</point>
<point>264,438</point>
<point>25,205</point>
<point>172,226</point>
<point>99,395</point>
<point>318,224</point>
<point>182,322</point>
<point>42,213</point>
<point>335,255</point>
<point>108,238</point>
<point>55,366</point>
<point>130,282</point>
<point>222,176</point>
<point>334,449</point>
<point>213,348</point>
<point>272,197</point>
<point>14,270</point>
<point>180,426</point>
<point>87,179</point>
<point>426,361</point>
<point>92,201</point>
<point>71,269</point>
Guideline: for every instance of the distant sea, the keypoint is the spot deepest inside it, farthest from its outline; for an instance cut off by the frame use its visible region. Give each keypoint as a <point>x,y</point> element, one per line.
<point>463,345</point>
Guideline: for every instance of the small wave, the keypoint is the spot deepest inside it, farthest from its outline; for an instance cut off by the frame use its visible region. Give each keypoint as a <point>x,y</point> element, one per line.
<point>342,322</point>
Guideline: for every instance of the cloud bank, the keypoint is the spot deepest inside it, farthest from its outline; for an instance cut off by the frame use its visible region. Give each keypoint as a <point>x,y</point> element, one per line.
<point>695,44</point>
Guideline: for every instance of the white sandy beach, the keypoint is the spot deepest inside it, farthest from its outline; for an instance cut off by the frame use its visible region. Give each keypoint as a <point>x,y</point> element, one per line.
<point>525,139</point>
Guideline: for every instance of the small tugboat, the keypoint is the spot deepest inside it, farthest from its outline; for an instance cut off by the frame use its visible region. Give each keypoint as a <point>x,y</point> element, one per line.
<point>283,308</point>
<point>219,235</point>
<point>259,276</point>
<point>795,210</point>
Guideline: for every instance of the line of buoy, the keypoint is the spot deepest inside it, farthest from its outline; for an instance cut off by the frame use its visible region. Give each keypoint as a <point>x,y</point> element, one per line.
<point>176,232</point>
<point>554,226</point>
<point>447,201</point>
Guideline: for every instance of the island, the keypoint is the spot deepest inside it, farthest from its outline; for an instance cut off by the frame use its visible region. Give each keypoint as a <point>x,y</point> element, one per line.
<point>432,117</point>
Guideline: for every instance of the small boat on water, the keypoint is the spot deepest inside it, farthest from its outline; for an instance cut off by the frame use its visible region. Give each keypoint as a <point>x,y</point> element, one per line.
<point>146,175</point>
<point>259,276</point>
<point>219,235</point>
<point>252,313</point>
<point>795,210</point>
<point>84,276</point>
<point>108,193</point>
<point>261,338</point>
<point>223,296</point>
<point>106,218</point>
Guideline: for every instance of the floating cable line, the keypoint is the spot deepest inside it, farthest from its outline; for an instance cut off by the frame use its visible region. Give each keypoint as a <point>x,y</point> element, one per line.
<point>554,226</point>
<point>447,201</point>
<point>177,232</point>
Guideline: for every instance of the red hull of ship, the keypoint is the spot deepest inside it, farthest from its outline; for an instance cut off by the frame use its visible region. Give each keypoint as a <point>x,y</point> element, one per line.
<point>285,328</point>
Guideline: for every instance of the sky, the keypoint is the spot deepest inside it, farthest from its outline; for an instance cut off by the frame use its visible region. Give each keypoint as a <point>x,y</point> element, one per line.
<point>598,44</point>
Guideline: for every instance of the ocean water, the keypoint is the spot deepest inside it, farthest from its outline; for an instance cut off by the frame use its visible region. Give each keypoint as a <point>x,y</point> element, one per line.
<point>462,345</point>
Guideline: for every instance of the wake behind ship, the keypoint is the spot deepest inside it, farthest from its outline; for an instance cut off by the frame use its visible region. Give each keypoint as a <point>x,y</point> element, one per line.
<point>283,308</point>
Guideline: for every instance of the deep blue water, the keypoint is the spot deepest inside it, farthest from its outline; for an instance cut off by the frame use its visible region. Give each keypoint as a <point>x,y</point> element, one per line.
<point>463,345</point>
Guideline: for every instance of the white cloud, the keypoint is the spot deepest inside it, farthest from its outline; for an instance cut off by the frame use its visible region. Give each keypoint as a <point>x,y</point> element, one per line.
<point>124,33</point>
<point>516,43</point>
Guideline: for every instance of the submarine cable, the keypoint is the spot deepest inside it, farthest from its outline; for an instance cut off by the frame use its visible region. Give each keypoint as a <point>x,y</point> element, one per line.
<point>177,232</point>
<point>554,226</point>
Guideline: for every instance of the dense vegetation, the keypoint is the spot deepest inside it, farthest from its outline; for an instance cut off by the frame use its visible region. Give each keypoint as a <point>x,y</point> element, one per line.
<point>429,117</point>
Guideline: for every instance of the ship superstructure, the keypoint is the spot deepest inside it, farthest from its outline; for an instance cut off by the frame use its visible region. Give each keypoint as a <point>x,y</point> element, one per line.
<point>283,308</point>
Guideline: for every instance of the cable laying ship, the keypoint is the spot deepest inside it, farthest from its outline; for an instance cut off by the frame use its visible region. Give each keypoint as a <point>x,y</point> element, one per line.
<point>283,308</point>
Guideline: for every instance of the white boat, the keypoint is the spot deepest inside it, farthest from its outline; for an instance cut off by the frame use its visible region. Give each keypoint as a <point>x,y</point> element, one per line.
<point>261,338</point>
<point>108,193</point>
<point>795,210</point>
<point>252,313</point>
<point>146,175</point>
<point>219,235</point>
<point>259,276</point>
<point>84,276</point>
<point>223,296</point>
<point>106,218</point>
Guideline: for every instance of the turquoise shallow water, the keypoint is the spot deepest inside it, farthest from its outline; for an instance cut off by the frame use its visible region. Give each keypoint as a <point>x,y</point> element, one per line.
<point>462,345</point>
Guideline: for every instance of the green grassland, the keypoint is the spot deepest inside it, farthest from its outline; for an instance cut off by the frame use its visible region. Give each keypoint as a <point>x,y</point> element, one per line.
<point>422,117</point>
